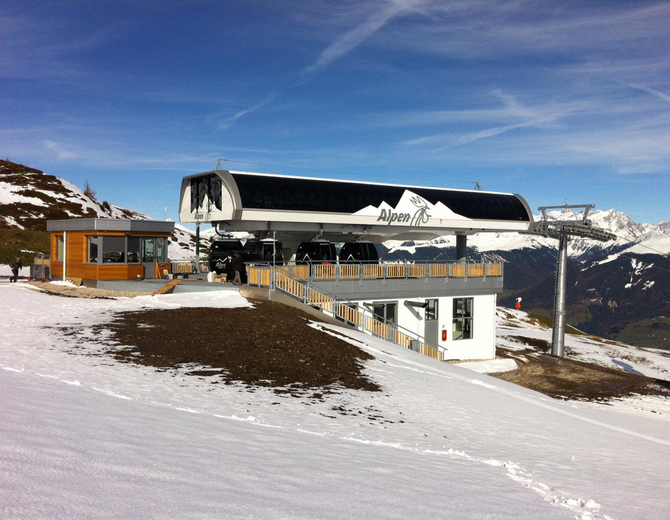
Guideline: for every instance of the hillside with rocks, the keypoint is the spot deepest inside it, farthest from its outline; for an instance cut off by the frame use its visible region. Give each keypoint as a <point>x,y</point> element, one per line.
<point>30,197</point>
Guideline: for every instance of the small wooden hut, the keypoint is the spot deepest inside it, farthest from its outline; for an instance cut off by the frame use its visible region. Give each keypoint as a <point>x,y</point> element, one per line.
<point>109,249</point>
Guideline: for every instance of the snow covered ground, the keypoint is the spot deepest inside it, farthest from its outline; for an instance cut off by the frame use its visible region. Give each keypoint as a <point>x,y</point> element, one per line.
<point>84,436</point>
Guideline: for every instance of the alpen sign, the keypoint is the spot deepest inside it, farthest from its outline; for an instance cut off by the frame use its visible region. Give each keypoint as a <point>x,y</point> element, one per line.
<point>412,210</point>
<point>421,215</point>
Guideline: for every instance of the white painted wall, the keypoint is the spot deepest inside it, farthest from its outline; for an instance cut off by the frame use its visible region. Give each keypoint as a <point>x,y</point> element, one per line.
<point>482,344</point>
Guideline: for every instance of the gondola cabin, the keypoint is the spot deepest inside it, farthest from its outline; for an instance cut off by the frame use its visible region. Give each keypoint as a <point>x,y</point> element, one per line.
<point>96,249</point>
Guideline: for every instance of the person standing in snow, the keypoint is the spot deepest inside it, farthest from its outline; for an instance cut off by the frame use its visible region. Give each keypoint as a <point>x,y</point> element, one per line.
<point>237,265</point>
<point>16,266</point>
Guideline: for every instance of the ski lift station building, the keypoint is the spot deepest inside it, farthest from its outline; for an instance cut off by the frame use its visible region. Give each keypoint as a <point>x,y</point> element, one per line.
<point>445,309</point>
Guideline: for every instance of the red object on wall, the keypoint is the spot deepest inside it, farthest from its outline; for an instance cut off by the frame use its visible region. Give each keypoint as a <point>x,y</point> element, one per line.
<point>444,334</point>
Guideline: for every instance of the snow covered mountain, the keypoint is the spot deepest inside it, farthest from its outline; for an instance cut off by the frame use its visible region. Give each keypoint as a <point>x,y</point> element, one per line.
<point>30,197</point>
<point>628,233</point>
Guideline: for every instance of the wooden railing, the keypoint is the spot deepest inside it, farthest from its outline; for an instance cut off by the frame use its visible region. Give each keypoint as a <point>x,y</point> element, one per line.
<point>356,271</point>
<point>349,314</point>
<point>296,281</point>
<point>287,282</point>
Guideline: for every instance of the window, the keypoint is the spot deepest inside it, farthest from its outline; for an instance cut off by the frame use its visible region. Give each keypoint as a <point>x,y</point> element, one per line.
<point>59,249</point>
<point>384,312</point>
<point>462,324</point>
<point>160,249</point>
<point>431,310</point>
<point>133,250</point>
<point>148,250</point>
<point>92,249</point>
<point>113,250</point>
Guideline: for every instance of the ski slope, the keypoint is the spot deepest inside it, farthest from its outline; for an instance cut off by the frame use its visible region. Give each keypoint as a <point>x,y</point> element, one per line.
<point>84,436</point>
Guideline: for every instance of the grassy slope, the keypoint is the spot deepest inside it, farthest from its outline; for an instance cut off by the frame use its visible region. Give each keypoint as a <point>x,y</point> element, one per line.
<point>14,241</point>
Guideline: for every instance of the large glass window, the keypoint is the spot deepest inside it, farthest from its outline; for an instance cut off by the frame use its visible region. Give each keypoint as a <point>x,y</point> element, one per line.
<point>463,316</point>
<point>431,310</point>
<point>133,244</point>
<point>160,250</point>
<point>113,250</point>
<point>385,312</point>
<point>92,249</point>
<point>148,250</point>
<point>59,249</point>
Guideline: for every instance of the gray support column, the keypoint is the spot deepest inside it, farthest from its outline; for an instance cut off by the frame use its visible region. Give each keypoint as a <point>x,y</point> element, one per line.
<point>558,335</point>
<point>197,248</point>
<point>461,248</point>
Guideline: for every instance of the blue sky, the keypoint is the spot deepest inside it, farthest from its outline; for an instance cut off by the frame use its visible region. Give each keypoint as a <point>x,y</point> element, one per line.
<point>551,100</point>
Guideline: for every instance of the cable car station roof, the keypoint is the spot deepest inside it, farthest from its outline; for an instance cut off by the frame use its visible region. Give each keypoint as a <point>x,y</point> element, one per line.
<point>344,210</point>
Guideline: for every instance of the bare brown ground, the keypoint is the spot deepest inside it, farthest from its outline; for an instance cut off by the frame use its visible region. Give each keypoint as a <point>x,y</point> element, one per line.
<point>563,378</point>
<point>83,292</point>
<point>270,345</point>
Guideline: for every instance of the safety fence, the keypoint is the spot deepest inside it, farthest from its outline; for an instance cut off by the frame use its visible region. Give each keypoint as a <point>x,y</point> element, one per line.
<point>188,267</point>
<point>391,271</point>
<point>286,280</point>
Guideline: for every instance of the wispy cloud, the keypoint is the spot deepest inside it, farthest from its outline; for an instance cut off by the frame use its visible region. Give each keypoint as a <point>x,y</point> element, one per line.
<point>512,110</point>
<point>652,91</point>
<point>229,122</point>
<point>342,45</point>
<point>60,151</point>
<point>354,37</point>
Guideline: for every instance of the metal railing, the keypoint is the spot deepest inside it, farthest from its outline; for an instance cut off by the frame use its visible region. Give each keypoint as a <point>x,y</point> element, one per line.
<point>388,271</point>
<point>285,279</point>
<point>188,266</point>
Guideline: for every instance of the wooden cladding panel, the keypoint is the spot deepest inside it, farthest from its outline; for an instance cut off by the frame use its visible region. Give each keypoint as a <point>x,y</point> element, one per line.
<point>402,339</point>
<point>373,271</point>
<point>325,271</point>
<point>457,270</point>
<point>300,271</point>
<point>120,272</point>
<point>347,313</point>
<point>184,267</point>
<point>254,275</point>
<point>395,271</point>
<point>287,284</point>
<point>350,271</point>
<point>431,352</point>
<point>476,270</point>
<point>437,270</point>
<point>494,269</point>
<point>321,300</point>
<point>417,270</point>
<point>376,327</point>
